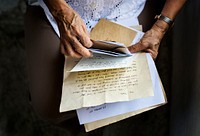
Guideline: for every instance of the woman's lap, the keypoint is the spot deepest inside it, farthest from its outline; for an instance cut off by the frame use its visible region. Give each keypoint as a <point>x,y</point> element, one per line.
<point>45,65</point>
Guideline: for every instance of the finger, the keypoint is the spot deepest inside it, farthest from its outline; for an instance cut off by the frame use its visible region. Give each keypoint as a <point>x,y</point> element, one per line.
<point>137,47</point>
<point>79,48</point>
<point>63,50</point>
<point>84,38</point>
<point>86,42</point>
<point>153,53</point>
<point>85,29</point>
<point>68,50</point>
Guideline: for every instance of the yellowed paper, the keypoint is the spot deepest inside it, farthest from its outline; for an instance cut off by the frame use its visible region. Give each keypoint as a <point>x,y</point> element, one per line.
<point>109,31</point>
<point>137,27</point>
<point>100,123</point>
<point>97,124</point>
<point>92,88</point>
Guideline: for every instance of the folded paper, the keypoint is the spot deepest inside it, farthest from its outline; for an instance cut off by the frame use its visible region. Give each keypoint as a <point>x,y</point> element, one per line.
<point>95,87</point>
<point>95,117</point>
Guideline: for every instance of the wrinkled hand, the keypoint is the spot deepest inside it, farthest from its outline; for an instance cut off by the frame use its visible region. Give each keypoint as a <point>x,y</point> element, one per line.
<point>150,41</point>
<point>73,34</point>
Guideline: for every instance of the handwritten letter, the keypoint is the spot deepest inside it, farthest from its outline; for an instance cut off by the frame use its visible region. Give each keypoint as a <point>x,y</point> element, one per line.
<point>92,88</point>
<point>102,62</point>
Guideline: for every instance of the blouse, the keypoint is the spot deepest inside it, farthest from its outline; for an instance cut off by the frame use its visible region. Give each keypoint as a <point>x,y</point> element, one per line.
<point>124,12</point>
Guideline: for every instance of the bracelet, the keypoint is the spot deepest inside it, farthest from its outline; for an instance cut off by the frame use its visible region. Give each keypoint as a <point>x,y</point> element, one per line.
<point>169,21</point>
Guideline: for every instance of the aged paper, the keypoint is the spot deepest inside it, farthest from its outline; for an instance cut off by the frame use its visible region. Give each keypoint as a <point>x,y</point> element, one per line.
<point>92,88</point>
<point>159,93</point>
<point>95,113</point>
<point>100,123</point>
<point>109,31</point>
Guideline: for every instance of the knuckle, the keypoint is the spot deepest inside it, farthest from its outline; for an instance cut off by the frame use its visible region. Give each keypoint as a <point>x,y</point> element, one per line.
<point>146,45</point>
<point>73,41</point>
<point>131,48</point>
<point>85,40</point>
<point>72,54</point>
<point>88,43</point>
<point>156,42</point>
<point>79,50</point>
<point>68,32</point>
<point>84,52</point>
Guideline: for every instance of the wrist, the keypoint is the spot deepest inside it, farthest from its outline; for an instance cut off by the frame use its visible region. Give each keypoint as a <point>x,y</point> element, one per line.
<point>161,26</point>
<point>164,22</point>
<point>165,19</point>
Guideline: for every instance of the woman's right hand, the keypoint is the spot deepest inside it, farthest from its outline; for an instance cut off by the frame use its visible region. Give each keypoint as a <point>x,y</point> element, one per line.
<point>73,32</point>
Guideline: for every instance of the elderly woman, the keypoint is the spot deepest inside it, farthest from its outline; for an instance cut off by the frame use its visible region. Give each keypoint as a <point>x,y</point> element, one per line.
<point>75,18</point>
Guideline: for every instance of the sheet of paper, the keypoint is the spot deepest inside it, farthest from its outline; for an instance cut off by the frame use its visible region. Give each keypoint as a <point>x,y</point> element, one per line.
<point>110,53</point>
<point>100,123</point>
<point>128,40</point>
<point>92,88</point>
<point>110,48</point>
<point>92,114</point>
<point>103,62</point>
<point>109,31</point>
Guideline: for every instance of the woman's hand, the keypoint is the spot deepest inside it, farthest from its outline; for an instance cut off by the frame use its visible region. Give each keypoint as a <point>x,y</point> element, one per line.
<point>151,40</point>
<point>74,36</point>
<point>73,32</point>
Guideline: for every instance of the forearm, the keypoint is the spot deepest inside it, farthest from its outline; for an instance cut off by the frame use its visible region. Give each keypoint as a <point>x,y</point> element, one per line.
<point>74,36</point>
<point>170,10</point>
<point>151,40</point>
<point>172,7</point>
<point>59,8</point>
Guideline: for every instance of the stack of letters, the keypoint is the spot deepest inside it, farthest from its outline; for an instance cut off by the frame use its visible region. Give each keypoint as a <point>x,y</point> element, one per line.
<point>113,84</point>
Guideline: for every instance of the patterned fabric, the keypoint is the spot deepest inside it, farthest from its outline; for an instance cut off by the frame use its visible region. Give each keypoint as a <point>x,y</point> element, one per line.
<point>93,10</point>
<point>124,12</point>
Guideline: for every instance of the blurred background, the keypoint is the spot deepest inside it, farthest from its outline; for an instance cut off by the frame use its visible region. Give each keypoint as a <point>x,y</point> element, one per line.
<point>178,64</point>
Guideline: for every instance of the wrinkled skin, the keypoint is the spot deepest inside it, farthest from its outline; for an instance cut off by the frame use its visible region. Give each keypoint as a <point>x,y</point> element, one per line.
<point>150,41</point>
<point>74,37</point>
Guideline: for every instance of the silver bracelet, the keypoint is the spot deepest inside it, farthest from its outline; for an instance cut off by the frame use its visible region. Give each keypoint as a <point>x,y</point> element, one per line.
<point>169,21</point>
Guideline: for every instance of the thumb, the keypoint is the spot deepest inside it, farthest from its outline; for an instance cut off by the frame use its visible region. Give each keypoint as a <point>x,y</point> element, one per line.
<point>136,47</point>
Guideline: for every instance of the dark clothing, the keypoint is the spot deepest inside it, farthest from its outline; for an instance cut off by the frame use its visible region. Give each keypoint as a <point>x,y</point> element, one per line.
<point>45,63</point>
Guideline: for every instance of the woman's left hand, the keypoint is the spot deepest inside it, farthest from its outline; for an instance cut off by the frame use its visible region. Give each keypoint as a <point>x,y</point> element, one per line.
<point>151,40</point>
